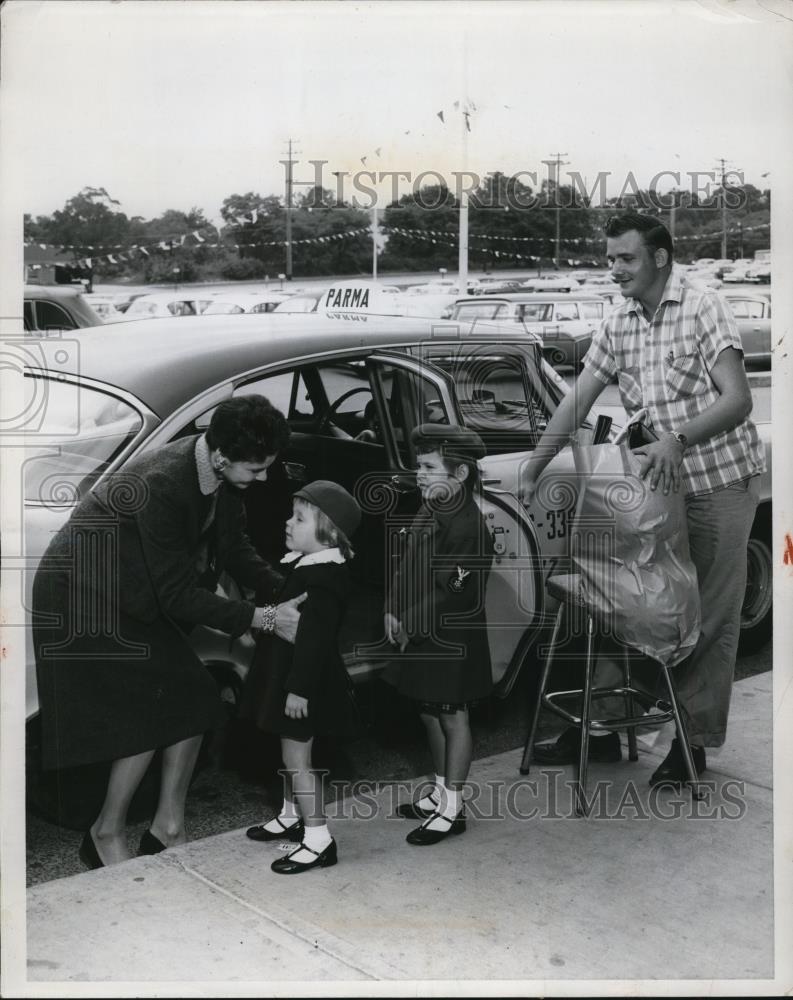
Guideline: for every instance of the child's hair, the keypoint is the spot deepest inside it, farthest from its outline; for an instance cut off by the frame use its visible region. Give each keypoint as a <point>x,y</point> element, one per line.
<point>472,482</point>
<point>326,531</point>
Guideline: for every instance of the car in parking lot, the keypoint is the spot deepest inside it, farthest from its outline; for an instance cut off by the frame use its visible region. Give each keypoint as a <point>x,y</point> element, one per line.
<point>244,302</point>
<point>57,307</point>
<point>551,283</point>
<point>566,321</point>
<point>158,305</point>
<point>115,393</point>
<point>752,314</point>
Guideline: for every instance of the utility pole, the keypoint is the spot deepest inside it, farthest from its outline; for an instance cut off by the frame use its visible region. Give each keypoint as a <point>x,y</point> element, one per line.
<point>288,202</point>
<point>722,167</point>
<point>558,209</point>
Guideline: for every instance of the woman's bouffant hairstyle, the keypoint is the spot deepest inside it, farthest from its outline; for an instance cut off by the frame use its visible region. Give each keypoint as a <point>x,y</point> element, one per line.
<point>247,429</point>
<point>326,531</point>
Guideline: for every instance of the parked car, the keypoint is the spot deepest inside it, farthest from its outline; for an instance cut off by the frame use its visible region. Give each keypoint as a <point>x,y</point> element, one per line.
<point>57,307</point>
<point>158,305</point>
<point>366,298</point>
<point>565,321</point>
<point>735,273</point>
<point>244,302</point>
<point>104,307</point>
<point>551,283</point>
<point>124,391</point>
<point>753,316</point>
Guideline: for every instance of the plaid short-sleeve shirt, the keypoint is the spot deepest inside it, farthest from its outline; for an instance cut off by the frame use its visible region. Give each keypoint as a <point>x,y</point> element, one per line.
<point>665,364</point>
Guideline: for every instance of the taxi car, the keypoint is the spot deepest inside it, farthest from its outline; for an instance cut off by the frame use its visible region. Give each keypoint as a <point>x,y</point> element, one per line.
<point>566,321</point>
<point>96,400</point>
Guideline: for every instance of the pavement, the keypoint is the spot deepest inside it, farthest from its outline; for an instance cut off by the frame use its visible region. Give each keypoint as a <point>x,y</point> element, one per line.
<point>651,886</point>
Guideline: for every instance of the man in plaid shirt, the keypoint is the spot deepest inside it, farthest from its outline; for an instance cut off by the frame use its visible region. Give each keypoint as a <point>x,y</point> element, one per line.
<point>676,352</point>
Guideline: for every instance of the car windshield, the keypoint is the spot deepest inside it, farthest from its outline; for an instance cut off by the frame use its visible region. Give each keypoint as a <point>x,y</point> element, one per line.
<point>74,432</point>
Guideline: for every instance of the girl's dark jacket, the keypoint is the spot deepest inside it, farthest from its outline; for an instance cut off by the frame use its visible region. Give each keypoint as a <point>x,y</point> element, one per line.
<point>438,594</point>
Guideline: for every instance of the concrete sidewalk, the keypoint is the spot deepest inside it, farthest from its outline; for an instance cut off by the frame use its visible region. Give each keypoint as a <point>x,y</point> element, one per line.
<point>522,895</point>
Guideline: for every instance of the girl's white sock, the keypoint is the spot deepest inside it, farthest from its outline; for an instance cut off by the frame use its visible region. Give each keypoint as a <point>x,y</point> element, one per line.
<point>434,797</point>
<point>317,838</point>
<point>287,818</point>
<point>289,811</point>
<point>452,803</point>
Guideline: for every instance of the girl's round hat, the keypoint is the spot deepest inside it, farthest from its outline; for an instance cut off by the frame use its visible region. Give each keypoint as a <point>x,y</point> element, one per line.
<point>335,502</point>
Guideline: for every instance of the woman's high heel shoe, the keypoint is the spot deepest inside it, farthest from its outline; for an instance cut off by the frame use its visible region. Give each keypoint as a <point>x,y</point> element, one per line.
<point>88,852</point>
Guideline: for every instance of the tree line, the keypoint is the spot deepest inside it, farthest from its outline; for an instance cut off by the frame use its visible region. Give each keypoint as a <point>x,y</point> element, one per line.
<point>416,233</point>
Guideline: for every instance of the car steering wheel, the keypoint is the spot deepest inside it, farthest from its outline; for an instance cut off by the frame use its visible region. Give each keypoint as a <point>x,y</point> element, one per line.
<point>326,419</point>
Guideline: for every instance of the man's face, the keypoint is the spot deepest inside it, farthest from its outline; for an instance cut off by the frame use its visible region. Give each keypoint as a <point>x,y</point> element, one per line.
<point>242,474</point>
<point>633,265</point>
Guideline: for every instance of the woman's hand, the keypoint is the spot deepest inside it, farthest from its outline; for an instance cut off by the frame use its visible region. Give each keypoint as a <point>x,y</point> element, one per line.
<point>394,631</point>
<point>661,460</point>
<point>296,707</point>
<point>287,617</point>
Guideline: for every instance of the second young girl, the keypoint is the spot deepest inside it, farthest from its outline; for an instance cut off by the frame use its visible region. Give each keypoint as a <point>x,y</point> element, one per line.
<point>294,691</point>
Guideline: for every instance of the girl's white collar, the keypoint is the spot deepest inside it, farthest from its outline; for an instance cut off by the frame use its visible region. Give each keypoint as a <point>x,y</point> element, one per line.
<point>315,558</point>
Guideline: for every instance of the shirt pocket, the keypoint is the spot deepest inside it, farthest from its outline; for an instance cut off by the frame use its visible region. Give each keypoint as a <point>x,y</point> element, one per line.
<point>686,376</point>
<point>630,388</point>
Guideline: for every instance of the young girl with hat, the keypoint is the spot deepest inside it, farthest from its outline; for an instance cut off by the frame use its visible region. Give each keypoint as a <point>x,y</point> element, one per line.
<point>435,616</point>
<point>294,691</point>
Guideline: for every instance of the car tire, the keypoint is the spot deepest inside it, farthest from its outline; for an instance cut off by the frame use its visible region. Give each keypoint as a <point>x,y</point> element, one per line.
<point>757,611</point>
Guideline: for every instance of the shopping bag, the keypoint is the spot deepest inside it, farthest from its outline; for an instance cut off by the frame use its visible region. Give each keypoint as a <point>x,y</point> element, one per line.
<point>630,545</point>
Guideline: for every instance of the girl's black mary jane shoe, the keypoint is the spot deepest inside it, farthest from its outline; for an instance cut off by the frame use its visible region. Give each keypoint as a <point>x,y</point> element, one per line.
<point>323,859</point>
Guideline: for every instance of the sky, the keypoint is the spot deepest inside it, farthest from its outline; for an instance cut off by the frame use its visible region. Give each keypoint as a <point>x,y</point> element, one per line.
<point>175,105</point>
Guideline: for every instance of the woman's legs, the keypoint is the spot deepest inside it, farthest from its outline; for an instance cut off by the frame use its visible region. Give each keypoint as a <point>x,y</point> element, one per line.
<point>178,763</point>
<point>109,828</point>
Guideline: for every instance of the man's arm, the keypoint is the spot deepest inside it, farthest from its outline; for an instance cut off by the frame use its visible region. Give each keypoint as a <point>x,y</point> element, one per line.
<point>569,416</point>
<point>662,459</point>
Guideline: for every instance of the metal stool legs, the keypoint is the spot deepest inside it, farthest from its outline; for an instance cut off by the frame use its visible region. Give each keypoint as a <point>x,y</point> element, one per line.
<point>633,753</point>
<point>682,735</point>
<point>546,673</point>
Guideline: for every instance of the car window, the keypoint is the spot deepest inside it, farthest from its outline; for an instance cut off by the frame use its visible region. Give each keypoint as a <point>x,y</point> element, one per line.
<point>263,307</point>
<point>50,316</point>
<point>287,391</point>
<point>183,308</point>
<point>592,310</point>
<point>564,311</point>
<point>536,312</point>
<point>81,427</point>
<point>496,396</point>
<point>746,308</point>
<point>30,323</point>
<point>480,310</point>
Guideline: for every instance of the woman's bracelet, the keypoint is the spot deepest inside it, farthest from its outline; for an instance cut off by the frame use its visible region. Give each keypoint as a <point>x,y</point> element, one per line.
<point>264,618</point>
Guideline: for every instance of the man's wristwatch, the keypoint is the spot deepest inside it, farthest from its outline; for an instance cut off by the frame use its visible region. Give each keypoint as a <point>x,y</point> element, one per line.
<point>681,439</point>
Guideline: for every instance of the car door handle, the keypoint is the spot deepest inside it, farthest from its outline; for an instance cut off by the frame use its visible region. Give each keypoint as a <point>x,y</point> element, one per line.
<point>491,482</point>
<point>296,471</point>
